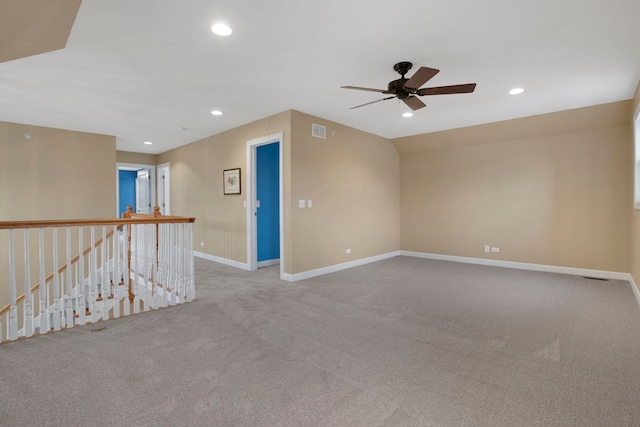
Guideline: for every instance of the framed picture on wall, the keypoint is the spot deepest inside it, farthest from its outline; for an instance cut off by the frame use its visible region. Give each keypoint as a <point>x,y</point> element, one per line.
<point>231,181</point>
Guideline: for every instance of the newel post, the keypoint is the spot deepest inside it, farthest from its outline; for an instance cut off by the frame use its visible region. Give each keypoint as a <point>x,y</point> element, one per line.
<point>156,214</point>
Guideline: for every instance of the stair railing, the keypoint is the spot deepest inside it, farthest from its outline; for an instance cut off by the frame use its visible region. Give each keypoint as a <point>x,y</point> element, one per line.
<point>120,266</point>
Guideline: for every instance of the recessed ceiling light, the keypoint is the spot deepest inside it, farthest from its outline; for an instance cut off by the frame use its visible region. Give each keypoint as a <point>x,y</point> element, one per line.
<point>221,29</point>
<point>516,91</point>
<point>216,113</point>
<point>148,143</point>
<point>407,114</point>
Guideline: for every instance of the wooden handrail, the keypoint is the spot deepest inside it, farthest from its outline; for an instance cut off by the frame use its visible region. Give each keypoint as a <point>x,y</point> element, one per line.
<point>5,225</point>
<point>4,309</point>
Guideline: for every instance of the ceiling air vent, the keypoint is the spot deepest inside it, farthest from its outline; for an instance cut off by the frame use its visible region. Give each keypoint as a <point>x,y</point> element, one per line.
<point>318,131</point>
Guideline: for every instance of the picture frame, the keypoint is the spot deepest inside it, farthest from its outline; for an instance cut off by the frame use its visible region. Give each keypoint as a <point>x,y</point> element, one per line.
<point>231,181</point>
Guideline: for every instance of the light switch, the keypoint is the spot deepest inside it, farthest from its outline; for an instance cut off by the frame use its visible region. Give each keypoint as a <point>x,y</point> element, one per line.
<point>301,204</point>
<point>244,203</point>
<point>257,203</point>
<point>309,204</point>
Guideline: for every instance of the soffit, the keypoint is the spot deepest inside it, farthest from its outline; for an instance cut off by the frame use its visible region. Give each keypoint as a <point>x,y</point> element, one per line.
<point>31,27</point>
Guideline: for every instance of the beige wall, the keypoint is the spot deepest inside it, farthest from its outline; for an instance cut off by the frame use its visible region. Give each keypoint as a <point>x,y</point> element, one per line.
<point>196,185</point>
<point>553,189</point>
<point>136,158</point>
<point>635,225</point>
<point>55,174</point>
<point>353,180</point>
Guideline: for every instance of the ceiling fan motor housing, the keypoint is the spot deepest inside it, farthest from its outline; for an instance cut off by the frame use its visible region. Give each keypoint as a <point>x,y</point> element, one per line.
<point>397,88</point>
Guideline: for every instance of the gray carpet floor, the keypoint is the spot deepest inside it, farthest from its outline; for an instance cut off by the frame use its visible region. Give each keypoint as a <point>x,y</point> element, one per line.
<point>401,342</point>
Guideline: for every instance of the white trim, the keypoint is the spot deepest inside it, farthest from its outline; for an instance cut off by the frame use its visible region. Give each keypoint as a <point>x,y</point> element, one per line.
<point>268,262</point>
<point>636,158</point>
<point>338,267</point>
<point>601,274</point>
<point>166,210</point>
<point>634,287</point>
<point>252,245</point>
<point>221,260</point>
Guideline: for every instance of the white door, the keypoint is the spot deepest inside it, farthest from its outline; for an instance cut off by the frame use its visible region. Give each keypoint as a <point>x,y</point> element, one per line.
<point>143,192</point>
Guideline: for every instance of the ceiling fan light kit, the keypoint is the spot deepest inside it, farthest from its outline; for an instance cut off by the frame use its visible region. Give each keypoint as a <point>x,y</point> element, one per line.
<point>408,90</point>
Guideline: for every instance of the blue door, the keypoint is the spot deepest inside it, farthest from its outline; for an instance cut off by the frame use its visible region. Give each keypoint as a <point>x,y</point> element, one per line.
<point>127,190</point>
<point>268,195</point>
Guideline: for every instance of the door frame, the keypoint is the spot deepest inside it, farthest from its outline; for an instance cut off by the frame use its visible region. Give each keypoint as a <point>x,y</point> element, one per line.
<point>251,185</point>
<point>135,167</point>
<point>166,167</point>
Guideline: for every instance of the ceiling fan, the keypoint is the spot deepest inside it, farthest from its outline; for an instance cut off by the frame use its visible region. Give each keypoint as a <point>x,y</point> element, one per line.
<point>406,89</point>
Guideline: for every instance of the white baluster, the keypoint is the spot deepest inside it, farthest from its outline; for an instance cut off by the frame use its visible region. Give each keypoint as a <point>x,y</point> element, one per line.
<point>13,316</point>
<point>93,277</point>
<point>68,297</point>
<point>106,286</point>
<point>192,285</point>
<point>28,306</point>
<point>57,309</point>
<point>179,282</point>
<point>151,263</point>
<point>154,271</point>
<point>181,264</point>
<point>127,270</point>
<point>81,302</point>
<point>162,267</point>
<point>144,267</point>
<point>173,282</point>
<point>44,307</point>
<point>109,263</point>
<point>135,233</point>
<point>166,263</point>
<point>116,271</point>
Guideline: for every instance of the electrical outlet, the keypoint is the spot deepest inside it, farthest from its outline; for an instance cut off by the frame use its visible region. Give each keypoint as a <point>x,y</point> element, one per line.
<point>348,251</point>
<point>202,244</point>
<point>486,248</point>
<point>495,249</point>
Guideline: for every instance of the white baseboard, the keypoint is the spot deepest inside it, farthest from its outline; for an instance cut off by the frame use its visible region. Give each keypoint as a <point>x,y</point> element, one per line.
<point>601,274</point>
<point>337,267</point>
<point>268,263</point>
<point>232,263</point>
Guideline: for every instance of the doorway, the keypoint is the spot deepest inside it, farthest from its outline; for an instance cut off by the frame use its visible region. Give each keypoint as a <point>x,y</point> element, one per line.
<point>267,206</point>
<point>135,183</point>
<point>265,202</point>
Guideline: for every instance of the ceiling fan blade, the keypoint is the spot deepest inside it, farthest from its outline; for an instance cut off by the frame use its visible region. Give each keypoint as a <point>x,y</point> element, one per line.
<point>423,75</point>
<point>447,90</point>
<point>414,103</point>
<point>365,88</point>
<point>372,102</point>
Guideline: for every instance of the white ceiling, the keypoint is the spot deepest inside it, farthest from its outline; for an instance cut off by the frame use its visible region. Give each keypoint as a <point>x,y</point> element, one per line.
<point>148,70</point>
